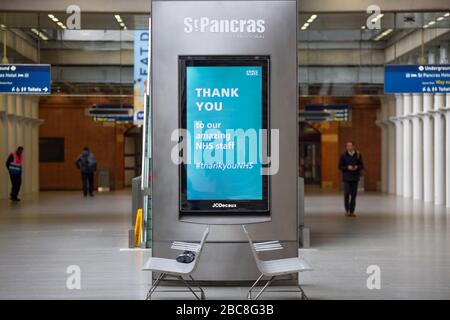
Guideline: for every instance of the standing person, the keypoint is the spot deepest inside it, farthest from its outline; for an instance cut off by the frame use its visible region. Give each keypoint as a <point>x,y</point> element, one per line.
<point>14,165</point>
<point>350,164</point>
<point>87,164</point>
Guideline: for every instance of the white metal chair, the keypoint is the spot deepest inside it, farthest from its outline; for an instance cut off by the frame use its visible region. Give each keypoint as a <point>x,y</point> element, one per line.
<point>274,268</point>
<point>173,268</point>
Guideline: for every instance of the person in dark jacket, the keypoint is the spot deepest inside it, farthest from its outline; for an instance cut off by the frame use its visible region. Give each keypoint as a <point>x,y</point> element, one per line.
<point>87,164</point>
<point>351,165</point>
<point>14,166</point>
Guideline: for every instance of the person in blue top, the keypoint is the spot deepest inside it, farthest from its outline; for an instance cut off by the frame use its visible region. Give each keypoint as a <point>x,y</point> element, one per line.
<point>351,165</point>
<point>87,164</point>
<point>14,166</point>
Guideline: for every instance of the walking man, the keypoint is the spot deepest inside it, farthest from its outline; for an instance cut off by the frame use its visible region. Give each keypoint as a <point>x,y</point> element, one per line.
<point>87,164</point>
<point>14,165</point>
<point>350,164</point>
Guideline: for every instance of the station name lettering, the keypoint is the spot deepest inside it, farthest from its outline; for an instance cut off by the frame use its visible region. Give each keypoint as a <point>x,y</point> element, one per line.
<point>205,24</point>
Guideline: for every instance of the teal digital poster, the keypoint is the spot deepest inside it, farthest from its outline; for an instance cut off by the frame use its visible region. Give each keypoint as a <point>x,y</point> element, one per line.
<point>224,120</point>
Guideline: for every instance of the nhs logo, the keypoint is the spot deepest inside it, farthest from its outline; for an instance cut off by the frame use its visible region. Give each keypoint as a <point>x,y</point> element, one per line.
<point>207,25</point>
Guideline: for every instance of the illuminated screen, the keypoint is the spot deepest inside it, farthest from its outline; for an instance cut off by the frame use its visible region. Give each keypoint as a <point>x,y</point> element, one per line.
<point>224,108</point>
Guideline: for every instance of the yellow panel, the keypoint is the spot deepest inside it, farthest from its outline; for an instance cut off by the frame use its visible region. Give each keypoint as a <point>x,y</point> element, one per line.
<point>327,185</point>
<point>329,138</point>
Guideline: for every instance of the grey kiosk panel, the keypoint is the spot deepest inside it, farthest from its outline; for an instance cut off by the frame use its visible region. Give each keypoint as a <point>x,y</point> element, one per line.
<point>227,255</point>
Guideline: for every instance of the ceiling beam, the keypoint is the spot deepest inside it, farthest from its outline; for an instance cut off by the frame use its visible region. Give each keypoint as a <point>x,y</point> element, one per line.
<point>412,43</point>
<point>143,6</point>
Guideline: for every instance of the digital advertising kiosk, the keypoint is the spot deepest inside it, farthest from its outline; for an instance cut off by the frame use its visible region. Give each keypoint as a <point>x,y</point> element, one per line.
<point>224,103</point>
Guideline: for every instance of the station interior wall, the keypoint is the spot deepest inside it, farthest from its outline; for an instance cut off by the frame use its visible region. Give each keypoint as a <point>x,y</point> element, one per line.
<point>65,117</point>
<point>22,117</point>
<point>362,130</point>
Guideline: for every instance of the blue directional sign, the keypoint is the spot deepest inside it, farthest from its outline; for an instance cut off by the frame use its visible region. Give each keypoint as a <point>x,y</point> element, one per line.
<point>417,78</point>
<point>25,79</point>
<point>138,117</point>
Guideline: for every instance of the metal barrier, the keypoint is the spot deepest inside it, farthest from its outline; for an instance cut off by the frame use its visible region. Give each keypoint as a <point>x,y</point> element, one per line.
<point>136,204</point>
<point>303,231</point>
<point>103,180</point>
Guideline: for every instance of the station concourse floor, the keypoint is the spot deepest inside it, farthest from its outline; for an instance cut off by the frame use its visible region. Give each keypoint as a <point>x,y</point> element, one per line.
<point>42,236</point>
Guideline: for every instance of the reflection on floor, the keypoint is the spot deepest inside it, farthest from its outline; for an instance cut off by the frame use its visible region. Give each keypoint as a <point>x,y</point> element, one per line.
<point>40,238</point>
<point>408,240</point>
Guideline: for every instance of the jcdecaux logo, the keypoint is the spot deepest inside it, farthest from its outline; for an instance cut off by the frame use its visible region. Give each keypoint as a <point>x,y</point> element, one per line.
<point>205,24</point>
<point>224,205</point>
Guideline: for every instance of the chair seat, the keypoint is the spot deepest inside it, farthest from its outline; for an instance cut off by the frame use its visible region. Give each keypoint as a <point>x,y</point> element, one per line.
<point>169,266</point>
<point>284,266</point>
<point>183,246</point>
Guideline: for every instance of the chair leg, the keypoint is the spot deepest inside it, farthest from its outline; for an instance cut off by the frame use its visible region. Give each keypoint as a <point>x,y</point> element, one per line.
<point>154,285</point>
<point>303,294</point>
<point>264,288</point>
<point>202,293</point>
<point>249,294</point>
<point>189,287</point>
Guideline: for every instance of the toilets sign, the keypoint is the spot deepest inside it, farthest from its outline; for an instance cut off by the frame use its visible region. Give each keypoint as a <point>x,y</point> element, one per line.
<point>25,79</point>
<point>417,78</point>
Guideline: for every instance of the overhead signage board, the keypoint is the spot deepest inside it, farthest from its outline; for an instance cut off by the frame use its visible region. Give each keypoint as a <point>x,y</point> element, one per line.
<point>113,118</point>
<point>326,112</point>
<point>417,78</point>
<point>111,113</point>
<point>25,79</point>
<point>224,108</point>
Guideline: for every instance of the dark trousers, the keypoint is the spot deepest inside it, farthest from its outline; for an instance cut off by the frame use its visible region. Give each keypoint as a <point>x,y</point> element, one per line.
<point>87,177</point>
<point>350,191</point>
<point>16,181</point>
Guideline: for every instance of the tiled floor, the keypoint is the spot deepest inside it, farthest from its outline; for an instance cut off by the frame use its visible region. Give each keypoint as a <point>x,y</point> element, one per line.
<point>408,240</point>
<point>41,237</point>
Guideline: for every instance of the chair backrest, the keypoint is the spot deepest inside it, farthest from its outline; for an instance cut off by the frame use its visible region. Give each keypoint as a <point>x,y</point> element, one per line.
<point>202,244</point>
<point>252,247</point>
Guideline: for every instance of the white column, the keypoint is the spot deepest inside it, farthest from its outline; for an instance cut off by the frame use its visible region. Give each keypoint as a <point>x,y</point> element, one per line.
<point>19,125</point>
<point>382,123</point>
<point>428,149</point>
<point>398,145</point>
<point>392,158</point>
<point>3,146</point>
<point>443,59</point>
<point>12,132</point>
<point>428,141</point>
<point>407,146</point>
<point>27,144</point>
<point>34,152</point>
<point>391,144</point>
<point>447,152</point>
<point>439,140</point>
<point>446,111</point>
<point>439,160</point>
<point>417,151</point>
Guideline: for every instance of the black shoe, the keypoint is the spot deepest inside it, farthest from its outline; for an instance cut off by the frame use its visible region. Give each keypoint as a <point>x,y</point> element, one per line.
<point>91,194</point>
<point>15,199</point>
